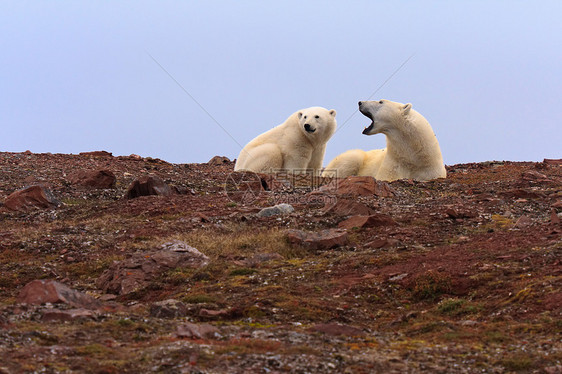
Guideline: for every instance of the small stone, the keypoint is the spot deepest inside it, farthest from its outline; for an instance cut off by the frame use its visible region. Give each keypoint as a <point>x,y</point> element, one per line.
<point>168,309</point>
<point>66,315</point>
<point>523,221</point>
<point>397,277</point>
<point>197,331</point>
<point>211,314</point>
<point>458,213</point>
<point>280,209</point>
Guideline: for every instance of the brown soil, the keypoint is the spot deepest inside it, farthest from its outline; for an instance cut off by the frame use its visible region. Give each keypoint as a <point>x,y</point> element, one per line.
<point>469,280</point>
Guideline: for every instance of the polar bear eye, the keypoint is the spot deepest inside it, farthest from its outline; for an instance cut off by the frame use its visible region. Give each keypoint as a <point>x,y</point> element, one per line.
<point>304,117</point>
<point>381,102</point>
<point>316,116</point>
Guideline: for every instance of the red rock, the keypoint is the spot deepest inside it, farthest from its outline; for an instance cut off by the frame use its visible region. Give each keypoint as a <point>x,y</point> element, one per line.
<point>197,331</point>
<point>219,160</point>
<point>521,193</point>
<point>346,207</point>
<point>97,154</point>
<point>363,186</point>
<point>459,213</point>
<point>530,175</point>
<point>367,221</point>
<point>523,221</point>
<point>95,179</point>
<point>66,315</point>
<point>208,313</point>
<point>34,197</point>
<point>381,243</point>
<point>136,272</point>
<point>557,162</point>
<point>557,204</point>
<point>325,239</point>
<point>49,291</point>
<point>148,185</point>
<point>554,217</point>
<point>335,329</point>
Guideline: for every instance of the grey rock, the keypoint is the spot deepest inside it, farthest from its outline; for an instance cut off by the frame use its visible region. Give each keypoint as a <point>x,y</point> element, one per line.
<point>280,209</point>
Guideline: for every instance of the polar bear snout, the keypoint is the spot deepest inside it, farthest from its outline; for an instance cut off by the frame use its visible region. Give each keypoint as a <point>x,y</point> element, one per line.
<point>309,128</point>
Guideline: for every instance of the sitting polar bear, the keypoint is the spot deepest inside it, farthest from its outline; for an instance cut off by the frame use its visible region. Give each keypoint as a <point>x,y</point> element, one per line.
<point>412,150</point>
<point>296,145</point>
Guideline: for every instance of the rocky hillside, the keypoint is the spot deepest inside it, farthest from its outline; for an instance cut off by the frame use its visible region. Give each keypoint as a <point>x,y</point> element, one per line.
<point>129,264</point>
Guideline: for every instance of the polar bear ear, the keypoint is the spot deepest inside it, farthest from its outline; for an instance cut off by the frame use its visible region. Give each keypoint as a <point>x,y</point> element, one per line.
<point>406,108</point>
<point>299,114</point>
<point>333,112</point>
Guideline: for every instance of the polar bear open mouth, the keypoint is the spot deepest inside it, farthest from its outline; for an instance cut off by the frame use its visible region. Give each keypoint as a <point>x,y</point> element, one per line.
<point>369,128</point>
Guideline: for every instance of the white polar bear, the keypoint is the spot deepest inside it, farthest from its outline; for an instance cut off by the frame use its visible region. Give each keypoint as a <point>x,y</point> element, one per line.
<point>412,150</point>
<point>296,145</point>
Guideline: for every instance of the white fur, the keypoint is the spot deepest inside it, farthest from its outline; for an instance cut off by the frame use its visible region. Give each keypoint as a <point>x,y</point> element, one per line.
<point>412,150</point>
<point>289,146</point>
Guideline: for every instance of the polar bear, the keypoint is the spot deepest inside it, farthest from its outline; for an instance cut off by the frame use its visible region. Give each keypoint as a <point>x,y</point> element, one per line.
<point>412,150</point>
<point>296,145</point>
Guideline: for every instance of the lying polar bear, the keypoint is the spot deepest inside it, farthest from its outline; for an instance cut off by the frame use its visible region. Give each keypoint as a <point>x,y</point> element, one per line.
<point>412,150</point>
<point>296,145</point>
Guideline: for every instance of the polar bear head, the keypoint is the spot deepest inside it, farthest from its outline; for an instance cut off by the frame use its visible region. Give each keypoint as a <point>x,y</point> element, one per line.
<point>384,114</point>
<point>317,124</point>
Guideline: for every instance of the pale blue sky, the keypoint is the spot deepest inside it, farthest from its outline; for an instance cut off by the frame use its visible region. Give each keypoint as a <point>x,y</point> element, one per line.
<point>77,75</point>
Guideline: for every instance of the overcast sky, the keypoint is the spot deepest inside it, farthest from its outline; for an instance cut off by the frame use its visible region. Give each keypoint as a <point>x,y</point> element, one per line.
<point>184,80</point>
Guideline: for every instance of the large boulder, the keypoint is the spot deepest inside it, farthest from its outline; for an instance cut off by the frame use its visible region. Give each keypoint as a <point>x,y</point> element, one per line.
<point>322,240</point>
<point>94,179</point>
<point>135,273</point>
<point>148,185</point>
<point>49,291</point>
<point>34,197</point>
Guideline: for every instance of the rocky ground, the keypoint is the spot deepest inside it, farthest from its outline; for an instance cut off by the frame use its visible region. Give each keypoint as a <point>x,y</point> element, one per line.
<point>460,275</point>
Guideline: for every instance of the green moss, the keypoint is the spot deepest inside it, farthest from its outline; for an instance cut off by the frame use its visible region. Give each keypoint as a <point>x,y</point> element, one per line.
<point>518,362</point>
<point>431,285</point>
<point>93,350</point>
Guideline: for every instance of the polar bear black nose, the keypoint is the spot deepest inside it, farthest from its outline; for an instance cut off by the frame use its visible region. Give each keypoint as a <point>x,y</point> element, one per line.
<point>360,103</point>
